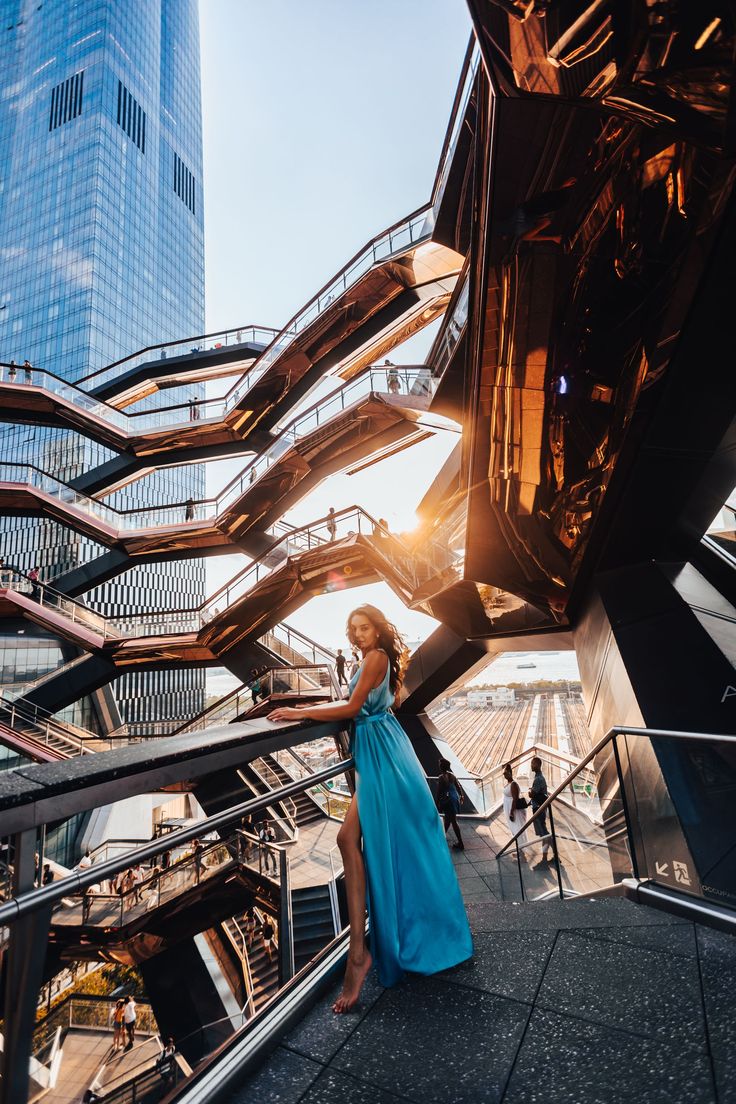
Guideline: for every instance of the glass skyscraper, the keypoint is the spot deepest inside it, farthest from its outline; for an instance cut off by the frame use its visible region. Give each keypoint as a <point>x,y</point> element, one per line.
<point>101,254</point>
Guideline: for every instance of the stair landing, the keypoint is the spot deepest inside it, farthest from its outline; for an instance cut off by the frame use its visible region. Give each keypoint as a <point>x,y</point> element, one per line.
<point>574,1002</point>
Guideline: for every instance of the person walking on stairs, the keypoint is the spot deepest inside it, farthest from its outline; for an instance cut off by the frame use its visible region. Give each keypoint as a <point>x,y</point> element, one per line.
<point>514,805</point>
<point>538,795</point>
<point>449,796</point>
<point>267,931</point>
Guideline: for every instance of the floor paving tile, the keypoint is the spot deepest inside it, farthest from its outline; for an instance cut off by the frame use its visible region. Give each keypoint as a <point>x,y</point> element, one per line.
<point>432,1041</point>
<point>647,992</point>
<point>333,1087</point>
<point>566,1061</point>
<point>671,938</point>
<point>717,961</point>
<point>282,1079</point>
<point>508,963</point>
<point>321,1033</point>
<point>556,914</point>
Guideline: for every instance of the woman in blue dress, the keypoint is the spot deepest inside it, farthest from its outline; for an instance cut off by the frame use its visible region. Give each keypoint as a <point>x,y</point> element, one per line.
<point>416,911</point>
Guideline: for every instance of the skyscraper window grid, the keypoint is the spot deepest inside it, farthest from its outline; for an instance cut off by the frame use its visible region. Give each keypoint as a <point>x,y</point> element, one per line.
<point>100,257</point>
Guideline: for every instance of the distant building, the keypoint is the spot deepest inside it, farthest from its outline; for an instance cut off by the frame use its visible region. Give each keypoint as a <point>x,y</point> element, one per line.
<point>102,254</point>
<point>485,699</point>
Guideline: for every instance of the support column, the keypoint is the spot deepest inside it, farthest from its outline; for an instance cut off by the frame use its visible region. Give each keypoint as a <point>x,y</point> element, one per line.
<point>24,963</point>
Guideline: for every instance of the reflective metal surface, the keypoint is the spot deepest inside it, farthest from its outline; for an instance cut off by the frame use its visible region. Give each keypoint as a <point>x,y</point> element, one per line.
<point>589,254</point>
<point>667,64</point>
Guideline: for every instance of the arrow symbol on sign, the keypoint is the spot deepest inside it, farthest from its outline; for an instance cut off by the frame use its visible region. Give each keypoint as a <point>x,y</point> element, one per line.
<point>661,868</point>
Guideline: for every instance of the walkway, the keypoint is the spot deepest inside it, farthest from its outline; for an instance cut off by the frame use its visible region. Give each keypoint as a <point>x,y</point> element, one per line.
<point>309,857</point>
<point>88,1054</point>
<point>563,1002</point>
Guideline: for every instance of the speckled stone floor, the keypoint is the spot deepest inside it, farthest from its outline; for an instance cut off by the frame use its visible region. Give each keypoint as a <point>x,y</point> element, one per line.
<point>576,1002</point>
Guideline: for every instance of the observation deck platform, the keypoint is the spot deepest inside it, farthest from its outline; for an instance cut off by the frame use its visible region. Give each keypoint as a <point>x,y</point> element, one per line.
<point>581,1000</point>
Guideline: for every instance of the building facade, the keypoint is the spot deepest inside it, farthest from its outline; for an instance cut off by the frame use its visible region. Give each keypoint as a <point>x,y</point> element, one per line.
<point>101,254</point>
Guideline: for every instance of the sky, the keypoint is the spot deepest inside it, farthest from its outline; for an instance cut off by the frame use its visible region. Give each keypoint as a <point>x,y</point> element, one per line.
<point>323,124</point>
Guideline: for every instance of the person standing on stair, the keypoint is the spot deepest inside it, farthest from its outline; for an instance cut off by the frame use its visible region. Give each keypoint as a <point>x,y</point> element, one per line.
<point>449,796</point>
<point>340,668</point>
<point>538,795</point>
<point>403,870</point>
<point>129,1018</point>
<point>267,837</point>
<point>267,931</point>
<point>514,805</point>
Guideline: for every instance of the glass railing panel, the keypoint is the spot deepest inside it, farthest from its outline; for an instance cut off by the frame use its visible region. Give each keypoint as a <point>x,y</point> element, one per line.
<point>295,680</point>
<point>452,331</point>
<point>476,797</point>
<point>114,906</point>
<point>382,380</point>
<point>457,122</point>
<point>261,335</point>
<point>48,598</point>
<point>66,391</point>
<point>27,475</point>
<point>564,852</point>
<point>414,231</point>
<point>332,801</point>
<point>681,794</point>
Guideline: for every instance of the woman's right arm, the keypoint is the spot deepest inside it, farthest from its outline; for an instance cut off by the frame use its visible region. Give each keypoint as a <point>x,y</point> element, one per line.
<point>372,668</point>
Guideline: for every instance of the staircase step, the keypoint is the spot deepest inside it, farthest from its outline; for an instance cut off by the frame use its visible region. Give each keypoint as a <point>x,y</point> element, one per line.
<point>309,892</point>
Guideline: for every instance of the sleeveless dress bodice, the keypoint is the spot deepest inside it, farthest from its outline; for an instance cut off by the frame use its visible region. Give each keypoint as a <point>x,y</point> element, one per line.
<point>379,700</point>
<point>416,910</point>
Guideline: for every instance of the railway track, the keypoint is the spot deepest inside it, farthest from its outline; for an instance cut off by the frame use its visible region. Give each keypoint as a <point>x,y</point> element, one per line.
<point>484,738</point>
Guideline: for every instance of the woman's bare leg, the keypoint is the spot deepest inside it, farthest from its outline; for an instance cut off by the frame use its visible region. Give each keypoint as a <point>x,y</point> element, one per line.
<point>359,958</point>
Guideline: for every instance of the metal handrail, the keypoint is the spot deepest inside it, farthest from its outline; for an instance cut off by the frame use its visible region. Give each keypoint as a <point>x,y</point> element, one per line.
<point>32,900</point>
<point>252,328</point>
<point>242,954</point>
<point>378,378</point>
<point>288,804</point>
<point>464,87</point>
<point>457,113</point>
<point>191,619</point>
<point>327,793</point>
<point>616,730</point>
<point>47,725</point>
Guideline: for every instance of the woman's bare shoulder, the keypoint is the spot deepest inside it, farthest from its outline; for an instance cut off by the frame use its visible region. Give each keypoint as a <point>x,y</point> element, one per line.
<point>374,662</point>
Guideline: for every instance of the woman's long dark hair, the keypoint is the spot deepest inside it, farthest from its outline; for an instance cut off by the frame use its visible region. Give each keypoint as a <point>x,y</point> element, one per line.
<point>388,638</point>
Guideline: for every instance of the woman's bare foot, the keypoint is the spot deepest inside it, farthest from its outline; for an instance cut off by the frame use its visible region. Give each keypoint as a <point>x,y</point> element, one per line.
<point>356,972</point>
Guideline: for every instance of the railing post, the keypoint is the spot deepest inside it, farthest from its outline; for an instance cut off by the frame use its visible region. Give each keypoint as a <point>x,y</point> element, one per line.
<point>286,928</point>
<point>521,876</point>
<point>625,807</point>
<point>555,853</point>
<point>23,972</point>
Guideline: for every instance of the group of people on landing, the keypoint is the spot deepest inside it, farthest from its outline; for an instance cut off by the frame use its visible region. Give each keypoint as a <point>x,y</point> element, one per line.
<point>515,806</point>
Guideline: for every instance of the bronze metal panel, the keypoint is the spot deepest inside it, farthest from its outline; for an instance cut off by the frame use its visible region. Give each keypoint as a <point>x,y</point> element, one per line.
<point>573,340</point>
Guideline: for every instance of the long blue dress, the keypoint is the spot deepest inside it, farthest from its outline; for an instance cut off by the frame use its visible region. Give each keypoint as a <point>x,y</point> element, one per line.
<point>417,915</point>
